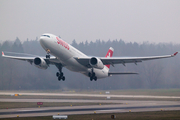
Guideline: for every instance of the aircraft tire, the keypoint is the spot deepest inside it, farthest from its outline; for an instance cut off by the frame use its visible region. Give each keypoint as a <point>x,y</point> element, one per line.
<point>47,56</point>
<point>59,78</point>
<point>89,74</point>
<point>95,78</point>
<point>57,74</point>
<point>63,78</point>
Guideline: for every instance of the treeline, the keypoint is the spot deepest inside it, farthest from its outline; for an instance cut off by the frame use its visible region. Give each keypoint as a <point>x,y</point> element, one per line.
<point>21,75</point>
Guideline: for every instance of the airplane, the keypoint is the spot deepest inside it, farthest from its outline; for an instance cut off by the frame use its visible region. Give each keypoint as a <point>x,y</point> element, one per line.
<point>65,55</point>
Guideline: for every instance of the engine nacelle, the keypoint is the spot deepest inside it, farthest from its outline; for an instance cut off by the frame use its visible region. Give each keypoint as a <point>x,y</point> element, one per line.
<point>40,63</point>
<point>96,63</point>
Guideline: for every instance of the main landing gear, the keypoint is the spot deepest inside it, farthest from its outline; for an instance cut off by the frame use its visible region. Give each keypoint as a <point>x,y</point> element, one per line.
<point>92,76</point>
<point>60,74</point>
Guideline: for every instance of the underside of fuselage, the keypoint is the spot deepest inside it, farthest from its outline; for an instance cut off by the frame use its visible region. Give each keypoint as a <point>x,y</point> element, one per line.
<point>100,73</point>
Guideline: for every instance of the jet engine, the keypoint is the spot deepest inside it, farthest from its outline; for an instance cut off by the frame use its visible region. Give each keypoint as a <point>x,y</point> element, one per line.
<point>96,63</point>
<point>40,63</point>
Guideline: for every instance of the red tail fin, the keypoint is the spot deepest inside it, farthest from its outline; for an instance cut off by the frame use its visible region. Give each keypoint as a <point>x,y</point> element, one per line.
<point>109,54</point>
<point>2,53</point>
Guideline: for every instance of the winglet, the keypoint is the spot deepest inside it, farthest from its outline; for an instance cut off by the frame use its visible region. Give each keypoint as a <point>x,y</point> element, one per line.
<point>174,54</point>
<point>2,53</point>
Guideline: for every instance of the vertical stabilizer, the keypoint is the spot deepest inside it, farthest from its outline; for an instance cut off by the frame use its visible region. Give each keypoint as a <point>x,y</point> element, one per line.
<point>2,53</point>
<point>109,54</point>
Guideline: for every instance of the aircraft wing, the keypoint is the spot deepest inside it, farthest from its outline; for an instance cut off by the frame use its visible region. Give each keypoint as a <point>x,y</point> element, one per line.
<point>122,60</point>
<point>52,60</point>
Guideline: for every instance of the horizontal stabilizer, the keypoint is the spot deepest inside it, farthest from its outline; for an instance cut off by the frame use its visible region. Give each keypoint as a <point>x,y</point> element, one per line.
<point>120,73</point>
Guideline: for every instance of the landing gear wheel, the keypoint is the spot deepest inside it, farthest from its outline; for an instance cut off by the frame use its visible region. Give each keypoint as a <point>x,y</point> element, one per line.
<point>63,78</point>
<point>47,56</point>
<point>59,78</point>
<point>92,76</point>
<point>89,74</point>
<point>57,74</point>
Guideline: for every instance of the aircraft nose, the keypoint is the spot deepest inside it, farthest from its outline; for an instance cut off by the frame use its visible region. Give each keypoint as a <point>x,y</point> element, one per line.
<point>44,41</point>
<point>41,40</point>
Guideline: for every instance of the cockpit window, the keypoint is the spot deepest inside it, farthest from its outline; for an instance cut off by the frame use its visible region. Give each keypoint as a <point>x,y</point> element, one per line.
<point>46,35</point>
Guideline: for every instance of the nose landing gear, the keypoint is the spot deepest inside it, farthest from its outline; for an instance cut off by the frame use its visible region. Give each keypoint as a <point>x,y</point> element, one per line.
<point>48,55</point>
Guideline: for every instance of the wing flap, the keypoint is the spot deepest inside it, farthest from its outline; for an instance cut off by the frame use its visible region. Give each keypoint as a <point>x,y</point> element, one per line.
<point>83,61</point>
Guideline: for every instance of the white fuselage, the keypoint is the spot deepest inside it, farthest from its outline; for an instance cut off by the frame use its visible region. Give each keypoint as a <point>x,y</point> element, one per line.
<point>65,53</point>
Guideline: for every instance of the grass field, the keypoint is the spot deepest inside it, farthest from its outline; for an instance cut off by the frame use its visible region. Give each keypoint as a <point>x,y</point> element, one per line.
<point>9,105</point>
<point>84,98</point>
<point>162,115</point>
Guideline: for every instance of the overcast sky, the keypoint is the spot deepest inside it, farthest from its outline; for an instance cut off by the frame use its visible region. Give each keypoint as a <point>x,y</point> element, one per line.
<point>129,20</point>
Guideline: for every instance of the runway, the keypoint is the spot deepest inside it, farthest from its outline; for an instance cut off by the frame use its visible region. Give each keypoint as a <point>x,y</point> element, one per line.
<point>118,106</point>
<point>88,109</point>
<point>93,95</point>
